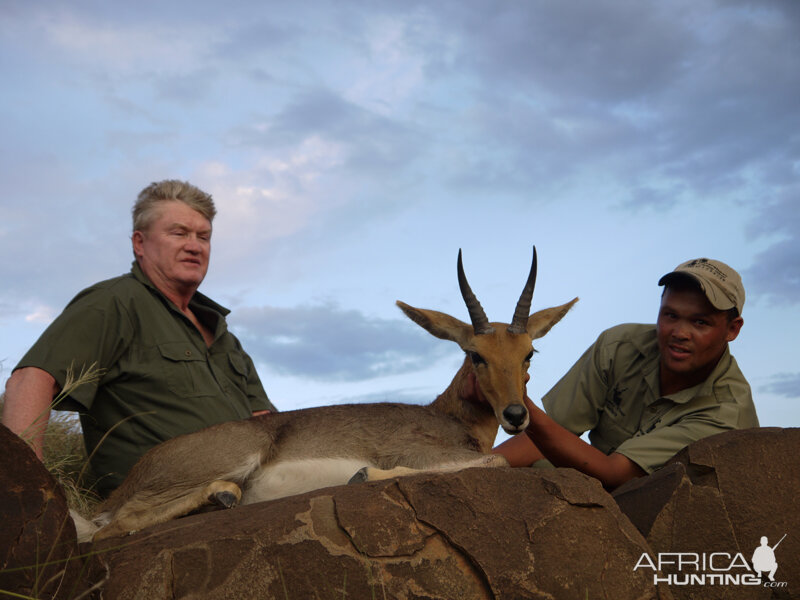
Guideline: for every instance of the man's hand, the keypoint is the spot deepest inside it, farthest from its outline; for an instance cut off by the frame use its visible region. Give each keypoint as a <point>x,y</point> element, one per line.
<point>565,449</point>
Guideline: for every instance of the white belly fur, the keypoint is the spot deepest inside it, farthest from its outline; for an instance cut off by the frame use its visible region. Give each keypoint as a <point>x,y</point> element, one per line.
<point>280,479</point>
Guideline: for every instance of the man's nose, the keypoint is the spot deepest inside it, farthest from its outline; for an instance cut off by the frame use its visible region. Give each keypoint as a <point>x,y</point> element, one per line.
<point>193,245</point>
<point>680,331</point>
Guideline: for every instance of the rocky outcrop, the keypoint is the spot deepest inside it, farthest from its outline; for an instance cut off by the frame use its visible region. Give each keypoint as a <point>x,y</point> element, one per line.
<point>38,547</point>
<point>721,495</point>
<point>479,533</point>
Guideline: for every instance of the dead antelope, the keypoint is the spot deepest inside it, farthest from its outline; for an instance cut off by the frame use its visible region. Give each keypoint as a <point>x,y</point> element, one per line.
<point>288,453</point>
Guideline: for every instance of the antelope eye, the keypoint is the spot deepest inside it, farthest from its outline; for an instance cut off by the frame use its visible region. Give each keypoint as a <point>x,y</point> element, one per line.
<point>476,358</point>
<point>529,357</point>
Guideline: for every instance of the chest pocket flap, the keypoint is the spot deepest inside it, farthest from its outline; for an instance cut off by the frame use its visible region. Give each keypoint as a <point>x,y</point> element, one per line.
<point>179,351</point>
<point>237,363</point>
<point>185,370</point>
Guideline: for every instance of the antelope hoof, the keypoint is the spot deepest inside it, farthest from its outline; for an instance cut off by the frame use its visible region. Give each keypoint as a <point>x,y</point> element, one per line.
<point>360,477</point>
<point>224,499</point>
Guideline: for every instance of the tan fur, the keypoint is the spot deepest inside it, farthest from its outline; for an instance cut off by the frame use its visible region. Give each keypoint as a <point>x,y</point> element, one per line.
<point>292,452</point>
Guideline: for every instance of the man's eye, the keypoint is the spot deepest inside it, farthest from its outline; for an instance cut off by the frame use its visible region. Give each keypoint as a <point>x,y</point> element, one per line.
<point>476,358</point>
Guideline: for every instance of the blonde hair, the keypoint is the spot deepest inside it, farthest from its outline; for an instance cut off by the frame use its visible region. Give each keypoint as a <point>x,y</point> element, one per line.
<point>145,211</point>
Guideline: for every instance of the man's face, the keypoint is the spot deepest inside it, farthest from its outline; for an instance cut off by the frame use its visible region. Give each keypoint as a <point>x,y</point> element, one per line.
<point>692,334</point>
<point>174,251</point>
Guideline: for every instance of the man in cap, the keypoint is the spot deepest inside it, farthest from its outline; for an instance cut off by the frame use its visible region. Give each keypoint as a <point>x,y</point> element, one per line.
<point>644,392</point>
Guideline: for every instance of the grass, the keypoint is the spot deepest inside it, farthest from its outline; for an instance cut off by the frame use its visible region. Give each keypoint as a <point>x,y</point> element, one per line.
<point>64,453</point>
<point>65,457</point>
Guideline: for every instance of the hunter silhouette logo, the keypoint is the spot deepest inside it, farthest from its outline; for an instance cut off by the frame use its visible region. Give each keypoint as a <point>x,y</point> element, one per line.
<point>764,558</point>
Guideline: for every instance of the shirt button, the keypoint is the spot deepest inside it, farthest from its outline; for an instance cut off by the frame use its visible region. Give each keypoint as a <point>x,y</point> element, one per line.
<point>188,353</point>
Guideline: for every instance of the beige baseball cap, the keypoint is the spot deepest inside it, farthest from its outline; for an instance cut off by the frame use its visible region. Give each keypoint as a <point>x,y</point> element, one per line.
<point>721,284</point>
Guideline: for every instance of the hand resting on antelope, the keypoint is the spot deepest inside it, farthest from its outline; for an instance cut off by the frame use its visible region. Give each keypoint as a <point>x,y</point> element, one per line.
<point>286,453</point>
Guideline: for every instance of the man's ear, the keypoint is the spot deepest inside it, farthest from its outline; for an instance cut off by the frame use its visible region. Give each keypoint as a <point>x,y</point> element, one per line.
<point>137,239</point>
<point>734,327</point>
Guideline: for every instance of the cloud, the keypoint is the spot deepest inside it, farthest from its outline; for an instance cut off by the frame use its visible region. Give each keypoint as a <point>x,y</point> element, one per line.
<point>58,234</point>
<point>784,384</point>
<point>366,139</point>
<point>42,314</point>
<point>273,197</point>
<point>254,38</point>
<point>673,100</point>
<point>775,272</point>
<point>404,396</point>
<point>609,51</point>
<point>125,47</point>
<point>327,342</point>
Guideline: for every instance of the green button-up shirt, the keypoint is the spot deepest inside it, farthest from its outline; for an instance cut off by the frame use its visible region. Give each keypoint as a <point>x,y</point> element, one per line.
<point>158,378</point>
<point>613,392</point>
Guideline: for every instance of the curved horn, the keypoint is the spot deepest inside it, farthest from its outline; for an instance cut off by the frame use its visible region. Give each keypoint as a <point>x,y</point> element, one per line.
<point>520,320</point>
<point>480,323</point>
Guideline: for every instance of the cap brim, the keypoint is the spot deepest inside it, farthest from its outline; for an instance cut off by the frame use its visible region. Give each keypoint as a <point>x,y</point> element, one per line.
<point>678,276</point>
<point>715,295</point>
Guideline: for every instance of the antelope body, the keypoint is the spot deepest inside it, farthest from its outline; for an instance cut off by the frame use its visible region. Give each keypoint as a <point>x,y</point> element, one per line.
<point>286,453</point>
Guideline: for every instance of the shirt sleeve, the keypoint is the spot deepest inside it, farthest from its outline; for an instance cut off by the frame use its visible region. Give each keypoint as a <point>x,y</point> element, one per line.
<point>576,401</point>
<point>88,336</point>
<point>651,450</point>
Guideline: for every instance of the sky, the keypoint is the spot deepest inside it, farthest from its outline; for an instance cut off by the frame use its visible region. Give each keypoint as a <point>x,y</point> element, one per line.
<point>352,148</point>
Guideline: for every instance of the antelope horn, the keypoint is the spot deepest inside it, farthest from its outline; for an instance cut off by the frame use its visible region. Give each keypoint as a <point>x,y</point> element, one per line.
<point>480,323</point>
<point>521,313</point>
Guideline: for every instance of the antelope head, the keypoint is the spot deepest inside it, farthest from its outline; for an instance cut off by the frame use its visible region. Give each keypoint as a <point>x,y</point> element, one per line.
<point>499,353</point>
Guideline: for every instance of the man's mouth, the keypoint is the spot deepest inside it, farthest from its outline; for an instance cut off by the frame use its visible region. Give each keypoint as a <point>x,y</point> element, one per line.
<point>678,352</point>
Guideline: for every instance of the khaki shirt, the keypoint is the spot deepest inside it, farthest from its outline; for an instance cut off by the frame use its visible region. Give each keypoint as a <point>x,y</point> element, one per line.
<point>159,379</point>
<point>613,393</point>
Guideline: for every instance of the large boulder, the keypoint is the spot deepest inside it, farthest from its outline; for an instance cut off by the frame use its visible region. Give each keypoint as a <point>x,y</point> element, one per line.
<point>721,495</point>
<point>38,545</point>
<point>478,533</point>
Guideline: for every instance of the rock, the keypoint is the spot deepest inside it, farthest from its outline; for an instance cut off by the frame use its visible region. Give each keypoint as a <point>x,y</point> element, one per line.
<point>478,533</point>
<point>38,544</point>
<point>722,494</point>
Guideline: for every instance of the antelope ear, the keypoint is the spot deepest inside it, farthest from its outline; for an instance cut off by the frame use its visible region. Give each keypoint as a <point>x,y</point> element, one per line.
<point>439,324</point>
<point>540,322</point>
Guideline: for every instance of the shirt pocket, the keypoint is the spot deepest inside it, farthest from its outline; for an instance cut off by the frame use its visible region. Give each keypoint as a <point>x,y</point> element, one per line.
<point>618,421</point>
<point>238,370</point>
<point>185,370</point>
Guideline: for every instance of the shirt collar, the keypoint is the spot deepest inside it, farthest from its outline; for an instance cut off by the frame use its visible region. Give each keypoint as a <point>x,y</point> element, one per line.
<point>650,370</point>
<point>198,299</point>
<point>704,388</point>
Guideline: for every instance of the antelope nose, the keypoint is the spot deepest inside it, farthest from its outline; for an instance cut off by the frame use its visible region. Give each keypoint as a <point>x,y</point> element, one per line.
<point>515,414</point>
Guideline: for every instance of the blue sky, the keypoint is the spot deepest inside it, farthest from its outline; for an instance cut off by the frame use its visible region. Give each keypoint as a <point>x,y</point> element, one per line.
<point>353,147</point>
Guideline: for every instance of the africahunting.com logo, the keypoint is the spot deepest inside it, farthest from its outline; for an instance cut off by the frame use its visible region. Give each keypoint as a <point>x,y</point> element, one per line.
<point>714,568</point>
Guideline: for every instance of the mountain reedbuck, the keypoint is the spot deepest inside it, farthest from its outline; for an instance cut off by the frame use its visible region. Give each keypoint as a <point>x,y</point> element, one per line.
<point>286,453</point>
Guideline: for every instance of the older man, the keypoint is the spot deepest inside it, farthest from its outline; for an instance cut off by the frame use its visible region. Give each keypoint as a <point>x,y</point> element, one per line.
<point>643,392</point>
<point>168,364</point>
